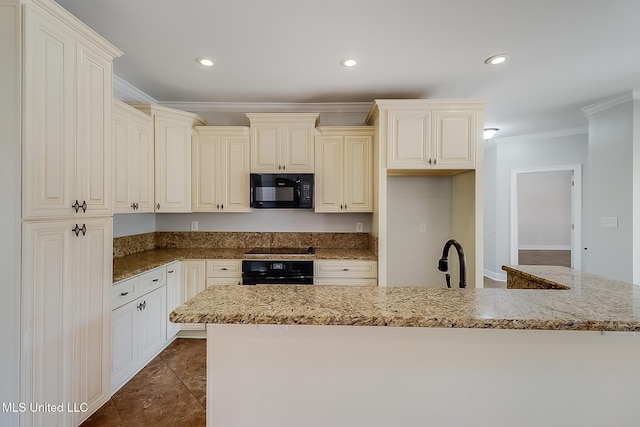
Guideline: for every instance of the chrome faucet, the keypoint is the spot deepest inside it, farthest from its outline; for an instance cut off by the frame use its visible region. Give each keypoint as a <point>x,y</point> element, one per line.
<point>443,263</point>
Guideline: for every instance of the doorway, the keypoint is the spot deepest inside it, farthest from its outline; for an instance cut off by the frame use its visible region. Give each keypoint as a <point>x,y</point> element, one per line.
<point>546,216</point>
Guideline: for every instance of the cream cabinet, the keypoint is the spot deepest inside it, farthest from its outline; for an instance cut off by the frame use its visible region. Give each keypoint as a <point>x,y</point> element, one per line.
<point>138,326</point>
<point>345,272</point>
<point>193,282</point>
<point>344,169</point>
<point>66,316</point>
<point>430,134</point>
<point>67,120</point>
<point>224,272</point>
<point>172,141</point>
<point>174,296</point>
<point>65,115</point>
<point>282,143</point>
<point>133,159</point>
<point>220,166</point>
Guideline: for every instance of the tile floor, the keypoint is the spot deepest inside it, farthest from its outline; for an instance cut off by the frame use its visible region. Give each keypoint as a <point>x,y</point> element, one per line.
<point>169,391</point>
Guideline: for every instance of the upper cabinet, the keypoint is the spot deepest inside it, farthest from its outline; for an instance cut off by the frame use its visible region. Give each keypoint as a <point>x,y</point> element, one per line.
<point>172,140</point>
<point>442,135</point>
<point>220,169</point>
<point>344,169</point>
<point>67,106</point>
<point>133,159</point>
<point>282,143</point>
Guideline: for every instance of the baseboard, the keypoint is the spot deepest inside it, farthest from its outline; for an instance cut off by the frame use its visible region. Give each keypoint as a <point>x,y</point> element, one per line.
<point>192,333</point>
<point>499,277</point>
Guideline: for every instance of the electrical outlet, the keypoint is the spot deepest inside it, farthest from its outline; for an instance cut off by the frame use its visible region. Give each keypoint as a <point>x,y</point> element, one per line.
<point>359,227</point>
<point>423,227</point>
<point>609,221</point>
<point>194,225</point>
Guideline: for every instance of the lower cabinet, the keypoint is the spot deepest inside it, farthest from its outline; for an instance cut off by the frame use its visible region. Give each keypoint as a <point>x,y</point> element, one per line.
<point>193,282</point>
<point>138,323</point>
<point>345,272</point>
<point>224,272</point>
<point>174,296</point>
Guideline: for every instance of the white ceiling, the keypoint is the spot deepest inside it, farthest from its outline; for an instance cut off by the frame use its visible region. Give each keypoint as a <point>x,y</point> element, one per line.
<point>564,54</point>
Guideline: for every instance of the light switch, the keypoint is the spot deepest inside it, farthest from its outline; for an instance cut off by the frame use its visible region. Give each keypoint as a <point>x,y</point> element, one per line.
<point>609,221</point>
<point>194,225</point>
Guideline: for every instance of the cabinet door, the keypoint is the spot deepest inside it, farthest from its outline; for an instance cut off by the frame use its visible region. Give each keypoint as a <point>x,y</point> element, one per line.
<point>454,139</point>
<point>193,282</point>
<point>47,315</point>
<point>121,156</point>
<point>152,310</point>
<point>92,309</point>
<point>93,146</point>
<point>329,174</point>
<point>358,174</point>
<point>142,169</point>
<point>173,297</point>
<point>234,171</point>
<point>206,173</point>
<point>125,342</point>
<point>409,139</point>
<point>49,108</point>
<point>172,165</point>
<point>265,148</point>
<point>297,148</point>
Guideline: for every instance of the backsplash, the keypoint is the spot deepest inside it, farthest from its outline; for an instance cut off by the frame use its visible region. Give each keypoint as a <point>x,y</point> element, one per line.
<point>128,245</point>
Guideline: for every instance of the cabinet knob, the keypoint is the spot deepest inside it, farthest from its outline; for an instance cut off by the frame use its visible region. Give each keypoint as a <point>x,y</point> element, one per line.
<point>218,206</point>
<point>133,206</point>
<point>435,162</point>
<point>429,161</point>
<point>284,167</point>
<point>76,230</point>
<point>345,206</point>
<point>158,205</point>
<point>84,206</point>
<point>76,206</point>
<point>222,206</point>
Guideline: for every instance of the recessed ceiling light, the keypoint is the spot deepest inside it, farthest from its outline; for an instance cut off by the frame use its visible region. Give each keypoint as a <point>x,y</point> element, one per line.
<point>349,62</point>
<point>206,62</point>
<point>489,133</point>
<point>496,59</point>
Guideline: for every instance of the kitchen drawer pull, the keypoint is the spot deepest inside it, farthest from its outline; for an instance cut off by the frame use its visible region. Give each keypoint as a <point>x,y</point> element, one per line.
<point>170,271</point>
<point>224,269</point>
<point>124,294</point>
<point>155,280</point>
<point>345,269</point>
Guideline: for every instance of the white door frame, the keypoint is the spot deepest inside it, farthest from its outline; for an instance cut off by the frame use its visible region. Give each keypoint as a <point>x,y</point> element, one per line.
<point>576,210</point>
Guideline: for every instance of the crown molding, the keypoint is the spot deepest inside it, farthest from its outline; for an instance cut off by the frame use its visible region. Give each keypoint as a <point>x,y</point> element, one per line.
<point>273,107</point>
<point>610,102</point>
<point>540,135</point>
<point>126,92</point>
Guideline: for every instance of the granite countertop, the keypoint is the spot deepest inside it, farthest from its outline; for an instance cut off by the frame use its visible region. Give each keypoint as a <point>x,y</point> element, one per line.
<point>130,265</point>
<point>590,303</point>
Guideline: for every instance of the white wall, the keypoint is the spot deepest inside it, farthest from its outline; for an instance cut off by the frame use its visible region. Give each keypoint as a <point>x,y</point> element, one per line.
<point>132,224</point>
<point>610,192</point>
<point>519,153</point>
<point>413,255</point>
<point>10,225</point>
<point>544,210</point>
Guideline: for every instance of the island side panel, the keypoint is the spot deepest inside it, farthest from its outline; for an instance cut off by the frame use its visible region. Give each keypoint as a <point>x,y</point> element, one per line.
<point>380,376</point>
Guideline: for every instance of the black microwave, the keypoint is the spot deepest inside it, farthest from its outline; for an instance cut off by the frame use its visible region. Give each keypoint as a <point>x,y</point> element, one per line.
<point>273,191</point>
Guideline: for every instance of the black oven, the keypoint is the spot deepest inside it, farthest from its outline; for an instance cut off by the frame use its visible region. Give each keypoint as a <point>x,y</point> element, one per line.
<point>273,272</point>
<point>270,191</point>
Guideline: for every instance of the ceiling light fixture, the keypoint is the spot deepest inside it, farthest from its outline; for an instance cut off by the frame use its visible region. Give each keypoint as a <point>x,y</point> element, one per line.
<point>489,133</point>
<point>496,59</point>
<point>349,62</point>
<point>205,62</point>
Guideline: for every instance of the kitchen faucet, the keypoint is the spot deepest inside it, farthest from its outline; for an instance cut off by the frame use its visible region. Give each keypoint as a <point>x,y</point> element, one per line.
<point>443,263</point>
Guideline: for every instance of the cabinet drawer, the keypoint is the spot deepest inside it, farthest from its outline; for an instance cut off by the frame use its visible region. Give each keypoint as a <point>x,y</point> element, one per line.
<point>124,292</point>
<point>345,269</point>
<point>152,280</point>
<point>224,268</point>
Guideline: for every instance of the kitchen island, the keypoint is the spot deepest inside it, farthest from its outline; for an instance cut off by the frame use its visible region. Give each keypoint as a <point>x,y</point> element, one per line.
<point>346,356</point>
